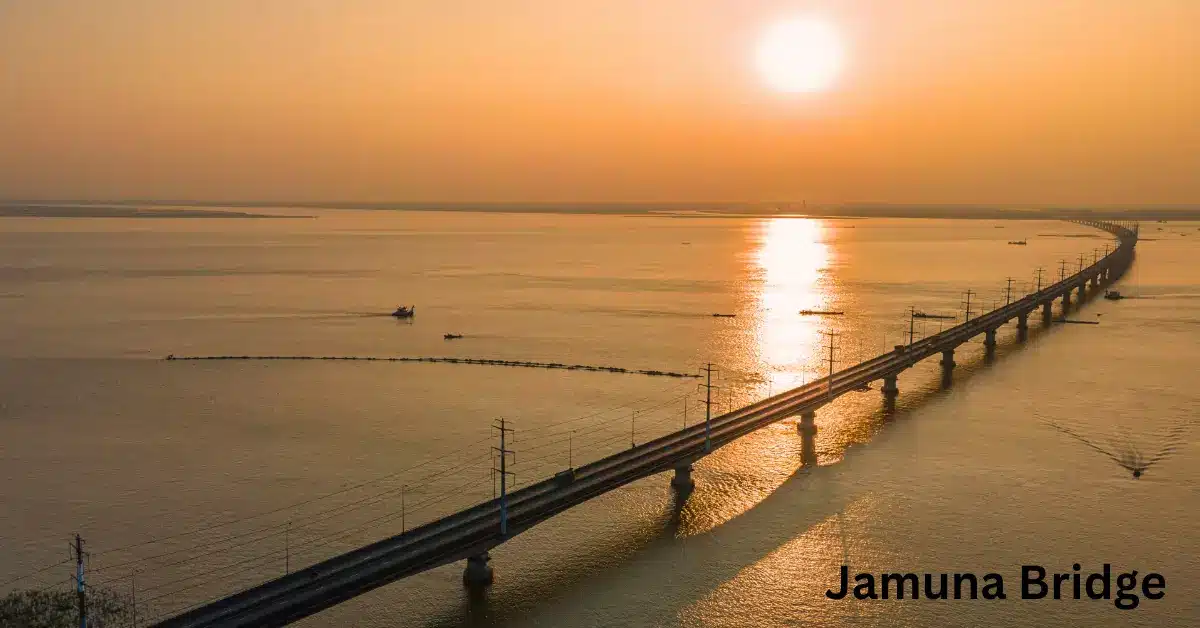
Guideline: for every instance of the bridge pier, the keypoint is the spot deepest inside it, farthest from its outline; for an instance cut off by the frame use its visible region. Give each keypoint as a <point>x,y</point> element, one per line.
<point>807,424</point>
<point>1066,297</point>
<point>683,478</point>
<point>1048,310</point>
<point>948,360</point>
<point>807,428</point>
<point>947,367</point>
<point>1095,281</point>
<point>478,572</point>
<point>1082,288</point>
<point>989,341</point>
<point>890,389</point>
<point>1022,325</point>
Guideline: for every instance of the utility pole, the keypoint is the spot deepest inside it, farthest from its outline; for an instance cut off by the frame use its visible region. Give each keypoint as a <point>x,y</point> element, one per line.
<point>133,595</point>
<point>79,584</point>
<point>1008,291</point>
<point>1062,269</point>
<point>632,424</point>
<point>571,448</point>
<point>1039,272</point>
<point>1081,258</point>
<point>831,335</point>
<point>969,293</point>
<point>403,490</point>
<point>912,323</point>
<point>685,404</point>
<point>287,548</point>
<point>708,388</point>
<point>503,452</point>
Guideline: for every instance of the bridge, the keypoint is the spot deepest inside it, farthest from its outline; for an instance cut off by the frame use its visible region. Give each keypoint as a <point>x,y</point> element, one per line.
<point>471,533</point>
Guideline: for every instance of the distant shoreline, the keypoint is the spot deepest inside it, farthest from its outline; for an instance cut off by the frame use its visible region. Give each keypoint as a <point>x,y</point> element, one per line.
<point>109,211</point>
<point>197,209</point>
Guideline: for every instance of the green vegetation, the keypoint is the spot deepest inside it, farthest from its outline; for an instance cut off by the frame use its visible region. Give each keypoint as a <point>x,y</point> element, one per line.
<point>59,608</point>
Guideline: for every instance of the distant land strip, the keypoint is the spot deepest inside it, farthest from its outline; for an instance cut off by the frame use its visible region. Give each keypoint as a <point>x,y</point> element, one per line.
<point>105,211</point>
<point>699,209</point>
<point>483,361</point>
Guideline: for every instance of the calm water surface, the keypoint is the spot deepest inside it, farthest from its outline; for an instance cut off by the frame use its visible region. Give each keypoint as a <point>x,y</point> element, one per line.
<point>99,435</point>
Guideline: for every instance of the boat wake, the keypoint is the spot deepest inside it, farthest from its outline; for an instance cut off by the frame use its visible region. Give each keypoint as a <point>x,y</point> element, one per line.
<point>1125,452</point>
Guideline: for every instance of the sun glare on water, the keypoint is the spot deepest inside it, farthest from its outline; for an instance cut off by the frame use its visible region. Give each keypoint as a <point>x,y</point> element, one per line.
<point>800,55</point>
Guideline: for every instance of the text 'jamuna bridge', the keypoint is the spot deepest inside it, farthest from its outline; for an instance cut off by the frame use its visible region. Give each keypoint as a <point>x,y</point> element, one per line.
<point>469,534</point>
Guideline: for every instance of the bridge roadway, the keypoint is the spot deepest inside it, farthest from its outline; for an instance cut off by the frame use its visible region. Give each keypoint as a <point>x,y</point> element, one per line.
<point>470,533</point>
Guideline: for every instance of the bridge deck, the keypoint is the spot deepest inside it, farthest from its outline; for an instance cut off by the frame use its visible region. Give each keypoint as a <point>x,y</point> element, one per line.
<point>477,529</point>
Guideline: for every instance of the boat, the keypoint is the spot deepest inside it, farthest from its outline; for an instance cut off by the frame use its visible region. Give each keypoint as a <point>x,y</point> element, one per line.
<point>1018,242</point>
<point>405,312</point>
<point>1113,295</point>
<point>718,315</point>
<point>934,316</point>
<point>452,336</point>
<point>821,313</point>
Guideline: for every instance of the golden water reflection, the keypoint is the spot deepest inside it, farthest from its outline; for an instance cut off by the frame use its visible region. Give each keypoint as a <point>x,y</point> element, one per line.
<point>793,261</point>
<point>788,265</point>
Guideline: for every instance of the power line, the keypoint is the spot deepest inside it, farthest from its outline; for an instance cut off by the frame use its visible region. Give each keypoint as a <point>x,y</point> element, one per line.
<point>330,538</point>
<point>291,506</point>
<point>34,572</point>
<point>320,515</point>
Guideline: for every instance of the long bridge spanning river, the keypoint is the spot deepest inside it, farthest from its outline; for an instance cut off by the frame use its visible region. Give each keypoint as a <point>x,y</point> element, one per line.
<point>470,534</point>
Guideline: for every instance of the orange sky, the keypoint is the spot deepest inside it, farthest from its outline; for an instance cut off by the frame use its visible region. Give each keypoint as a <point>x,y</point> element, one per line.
<point>1012,101</point>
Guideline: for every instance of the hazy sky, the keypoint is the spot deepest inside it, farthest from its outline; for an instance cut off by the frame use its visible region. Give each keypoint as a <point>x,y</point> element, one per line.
<point>1006,101</point>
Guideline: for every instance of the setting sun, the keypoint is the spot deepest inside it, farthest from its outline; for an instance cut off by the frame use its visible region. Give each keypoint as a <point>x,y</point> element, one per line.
<point>800,55</point>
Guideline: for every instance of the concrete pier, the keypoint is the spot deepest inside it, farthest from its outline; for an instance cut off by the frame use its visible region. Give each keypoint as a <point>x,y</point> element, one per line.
<point>1082,292</point>
<point>947,367</point>
<point>948,360</point>
<point>1066,301</point>
<point>1022,326</point>
<point>989,341</point>
<point>807,424</point>
<point>478,572</point>
<point>807,428</point>
<point>1048,310</point>
<point>890,389</point>
<point>683,478</point>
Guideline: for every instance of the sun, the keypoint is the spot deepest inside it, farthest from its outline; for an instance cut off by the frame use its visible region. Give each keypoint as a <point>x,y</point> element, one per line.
<point>800,55</point>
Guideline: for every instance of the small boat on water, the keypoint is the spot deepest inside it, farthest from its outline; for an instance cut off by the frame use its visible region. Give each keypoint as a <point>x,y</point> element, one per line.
<point>1018,242</point>
<point>821,313</point>
<point>1113,295</point>
<point>405,312</point>
<point>1063,319</point>
<point>452,336</point>
<point>717,315</point>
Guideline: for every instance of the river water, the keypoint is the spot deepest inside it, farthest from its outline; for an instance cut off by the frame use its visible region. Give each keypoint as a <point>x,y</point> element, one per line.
<point>192,479</point>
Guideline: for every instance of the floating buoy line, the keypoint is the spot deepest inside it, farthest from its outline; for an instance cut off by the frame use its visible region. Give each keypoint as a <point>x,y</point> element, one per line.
<point>483,361</point>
